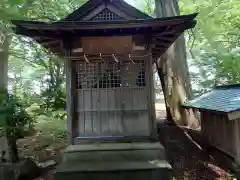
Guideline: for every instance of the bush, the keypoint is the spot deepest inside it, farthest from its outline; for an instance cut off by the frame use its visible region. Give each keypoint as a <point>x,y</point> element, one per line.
<point>14,121</point>
<point>17,119</point>
<point>53,125</point>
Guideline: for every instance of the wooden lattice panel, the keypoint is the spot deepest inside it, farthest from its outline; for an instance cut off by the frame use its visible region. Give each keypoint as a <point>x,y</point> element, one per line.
<point>110,75</point>
<point>106,15</point>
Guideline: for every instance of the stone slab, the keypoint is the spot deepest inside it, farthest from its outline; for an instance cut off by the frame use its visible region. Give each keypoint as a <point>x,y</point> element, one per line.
<point>159,174</point>
<point>113,146</point>
<point>148,170</point>
<point>112,166</point>
<point>124,155</point>
<point>114,152</point>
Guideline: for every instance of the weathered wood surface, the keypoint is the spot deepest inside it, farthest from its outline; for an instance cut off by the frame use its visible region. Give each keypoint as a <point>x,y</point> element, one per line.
<point>105,109</point>
<point>219,132</point>
<point>120,111</point>
<point>107,45</point>
<point>69,91</point>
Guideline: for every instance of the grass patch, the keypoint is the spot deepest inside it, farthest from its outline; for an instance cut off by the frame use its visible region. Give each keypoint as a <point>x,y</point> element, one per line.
<point>53,129</point>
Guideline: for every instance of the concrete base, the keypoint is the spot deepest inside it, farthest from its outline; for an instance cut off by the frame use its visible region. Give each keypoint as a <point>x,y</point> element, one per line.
<point>140,161</point>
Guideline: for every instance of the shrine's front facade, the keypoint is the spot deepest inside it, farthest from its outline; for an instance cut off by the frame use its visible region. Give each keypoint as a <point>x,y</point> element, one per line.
<point>109,48</point>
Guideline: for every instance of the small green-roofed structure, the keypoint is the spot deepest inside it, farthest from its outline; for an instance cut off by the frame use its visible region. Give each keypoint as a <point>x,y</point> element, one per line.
<point>223,99</point>
<point>220,118</point>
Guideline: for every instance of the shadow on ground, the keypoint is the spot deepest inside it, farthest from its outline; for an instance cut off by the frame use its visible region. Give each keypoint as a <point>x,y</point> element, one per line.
<point>187,158</point>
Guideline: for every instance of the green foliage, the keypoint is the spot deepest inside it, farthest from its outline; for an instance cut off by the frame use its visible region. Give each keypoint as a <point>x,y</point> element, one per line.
<point>213,46</point>
<point>147,6</point>
<point>215,51</point>
<point>14,120</point>
<point>53,125</point>
<point>34,73</point>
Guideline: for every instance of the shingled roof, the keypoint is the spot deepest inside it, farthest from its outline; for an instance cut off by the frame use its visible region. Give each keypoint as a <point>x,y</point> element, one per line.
<point>224,99</point>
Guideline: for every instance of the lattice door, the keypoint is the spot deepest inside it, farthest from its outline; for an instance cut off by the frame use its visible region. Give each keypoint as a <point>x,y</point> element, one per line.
<point>112,99</point>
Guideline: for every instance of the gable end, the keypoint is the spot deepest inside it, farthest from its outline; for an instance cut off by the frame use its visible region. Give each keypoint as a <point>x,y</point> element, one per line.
<point>119,10</point>
<point>106,15</point>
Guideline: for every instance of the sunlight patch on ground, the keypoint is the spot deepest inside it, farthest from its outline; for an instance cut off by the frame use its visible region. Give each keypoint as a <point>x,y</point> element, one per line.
<point>160,106</point>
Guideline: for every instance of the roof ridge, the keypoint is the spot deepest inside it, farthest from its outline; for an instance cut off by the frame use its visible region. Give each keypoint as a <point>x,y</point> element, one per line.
<point>228,86</point>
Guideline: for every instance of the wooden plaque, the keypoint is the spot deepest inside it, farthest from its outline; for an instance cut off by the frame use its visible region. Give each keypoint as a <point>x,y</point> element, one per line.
<point>107,45</point>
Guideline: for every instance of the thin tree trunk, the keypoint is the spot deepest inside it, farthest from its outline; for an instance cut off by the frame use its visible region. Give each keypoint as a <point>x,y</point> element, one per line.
<point>173,69</point>
<point>13,151</point>
<point>4,45</point>
<point>11,139</point>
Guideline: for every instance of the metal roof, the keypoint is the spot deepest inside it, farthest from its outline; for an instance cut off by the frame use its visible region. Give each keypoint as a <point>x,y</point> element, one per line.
<point>221,99</point>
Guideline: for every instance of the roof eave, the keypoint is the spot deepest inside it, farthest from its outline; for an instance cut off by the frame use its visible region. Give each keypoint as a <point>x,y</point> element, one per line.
<point>204,109</point>
<point>170,27</point>
<point>140,22</point>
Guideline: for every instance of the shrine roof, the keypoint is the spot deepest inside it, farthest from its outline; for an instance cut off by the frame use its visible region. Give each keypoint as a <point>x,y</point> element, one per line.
<point>163,31</point>
<point>135,23</point>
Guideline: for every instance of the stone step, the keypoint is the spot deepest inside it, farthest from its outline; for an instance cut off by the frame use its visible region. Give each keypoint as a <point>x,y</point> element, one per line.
<point>125,170</point>
<point>114,152</point>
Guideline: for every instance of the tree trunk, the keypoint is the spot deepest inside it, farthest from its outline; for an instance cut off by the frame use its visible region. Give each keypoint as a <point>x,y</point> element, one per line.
<point>4,45</point>
<point>12,153</point>
<point>173,69</point>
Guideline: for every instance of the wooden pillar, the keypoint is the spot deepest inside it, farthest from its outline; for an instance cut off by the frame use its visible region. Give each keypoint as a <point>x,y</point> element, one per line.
<point>151,96</point>
<point>70,69</point>
<point>74,97</point>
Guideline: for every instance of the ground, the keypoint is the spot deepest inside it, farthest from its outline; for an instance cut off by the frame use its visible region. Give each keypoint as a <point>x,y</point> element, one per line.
<point>187,159</point>
<point>47,142</point>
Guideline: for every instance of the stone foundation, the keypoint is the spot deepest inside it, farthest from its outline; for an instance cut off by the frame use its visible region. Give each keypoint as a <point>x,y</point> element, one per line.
<point>140,161</point>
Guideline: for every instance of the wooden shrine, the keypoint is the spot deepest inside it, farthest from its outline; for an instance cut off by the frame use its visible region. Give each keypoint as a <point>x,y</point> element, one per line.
<point>109,48</point>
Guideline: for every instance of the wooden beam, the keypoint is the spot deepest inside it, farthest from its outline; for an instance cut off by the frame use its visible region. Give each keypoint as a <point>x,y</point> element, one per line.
<point>93,13</point>
<point>165,38</point>
<point>74,100</point>
<point>42,40</point>
<point>69,90</point>
<point>36,35</point>
<point>99,25</point>
<point>163,45</point>
<point>49,43</point>
<point>118,12</point>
